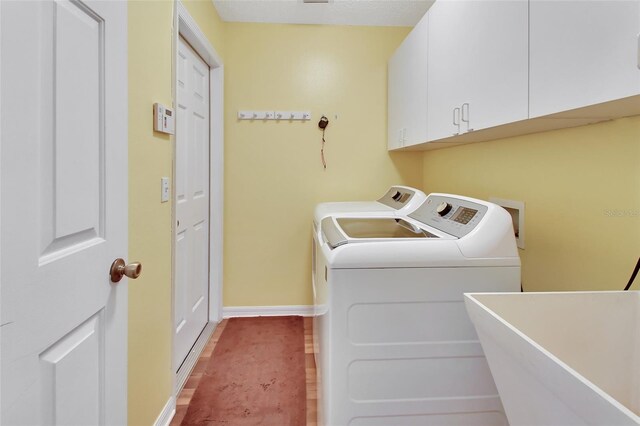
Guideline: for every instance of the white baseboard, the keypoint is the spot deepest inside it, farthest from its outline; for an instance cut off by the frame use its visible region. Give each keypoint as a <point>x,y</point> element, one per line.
<point>169,410</point>
<point>267,311</point>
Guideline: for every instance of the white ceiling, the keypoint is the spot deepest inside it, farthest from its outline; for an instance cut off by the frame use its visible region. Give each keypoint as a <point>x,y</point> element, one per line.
<point>336,12</point>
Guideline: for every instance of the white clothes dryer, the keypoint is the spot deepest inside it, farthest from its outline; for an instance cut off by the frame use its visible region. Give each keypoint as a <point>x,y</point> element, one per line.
<point>397,200</point>
<point>395,345</point>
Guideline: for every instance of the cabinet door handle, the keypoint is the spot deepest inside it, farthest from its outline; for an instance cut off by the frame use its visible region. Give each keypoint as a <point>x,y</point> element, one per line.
<point>638,50</point>
<point>465,113</point>
<point>456,119</point>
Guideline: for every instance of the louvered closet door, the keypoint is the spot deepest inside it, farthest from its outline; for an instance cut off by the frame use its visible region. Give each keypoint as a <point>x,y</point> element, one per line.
<point>63,156</point>
<point>192,201</point>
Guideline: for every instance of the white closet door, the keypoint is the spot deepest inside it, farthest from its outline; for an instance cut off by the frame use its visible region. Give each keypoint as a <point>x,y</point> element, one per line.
<point>192,201</point>
<point>63,194</point>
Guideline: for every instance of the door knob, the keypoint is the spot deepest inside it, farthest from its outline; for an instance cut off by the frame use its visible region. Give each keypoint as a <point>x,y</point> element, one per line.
<point>119,269</point>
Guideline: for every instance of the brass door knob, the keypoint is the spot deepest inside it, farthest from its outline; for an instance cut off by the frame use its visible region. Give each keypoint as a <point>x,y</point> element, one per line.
<point>119,269</point>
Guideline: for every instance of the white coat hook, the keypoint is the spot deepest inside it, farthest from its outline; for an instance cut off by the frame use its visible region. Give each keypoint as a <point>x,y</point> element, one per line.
<point>273,115</point>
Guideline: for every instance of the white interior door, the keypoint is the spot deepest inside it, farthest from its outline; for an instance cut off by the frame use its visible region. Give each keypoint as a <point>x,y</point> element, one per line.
<point>192,201</point>
<point>63,133</point>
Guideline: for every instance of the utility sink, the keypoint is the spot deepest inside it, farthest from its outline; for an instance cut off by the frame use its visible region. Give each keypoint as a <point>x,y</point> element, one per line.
<point>562,358</point>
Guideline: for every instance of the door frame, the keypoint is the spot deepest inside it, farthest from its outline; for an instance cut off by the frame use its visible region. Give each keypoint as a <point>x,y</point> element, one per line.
<point>186,26</point>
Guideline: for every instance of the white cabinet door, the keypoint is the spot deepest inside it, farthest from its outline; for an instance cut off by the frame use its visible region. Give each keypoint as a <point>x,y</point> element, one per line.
<point>582,53</point>
<point>447,69</point>
<point>64,197</point>
<point>407,90</point>
<point>478,62</point>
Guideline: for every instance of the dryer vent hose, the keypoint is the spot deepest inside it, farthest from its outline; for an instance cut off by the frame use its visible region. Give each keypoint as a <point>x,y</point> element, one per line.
<point>633,275</point>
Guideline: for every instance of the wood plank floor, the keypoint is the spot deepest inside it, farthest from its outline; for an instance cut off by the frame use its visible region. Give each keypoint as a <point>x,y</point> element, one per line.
<point>310,370</point>
<point>194,378</point>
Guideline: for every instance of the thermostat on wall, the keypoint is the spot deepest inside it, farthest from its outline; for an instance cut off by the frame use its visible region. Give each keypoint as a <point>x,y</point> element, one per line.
<point>163,119</point>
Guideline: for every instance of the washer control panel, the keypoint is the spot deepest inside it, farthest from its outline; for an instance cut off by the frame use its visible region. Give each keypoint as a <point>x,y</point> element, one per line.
<point>397,197</point>
<point>449,214</point>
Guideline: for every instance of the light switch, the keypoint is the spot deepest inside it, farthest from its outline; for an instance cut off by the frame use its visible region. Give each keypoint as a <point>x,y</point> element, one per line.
<point>164,189</point>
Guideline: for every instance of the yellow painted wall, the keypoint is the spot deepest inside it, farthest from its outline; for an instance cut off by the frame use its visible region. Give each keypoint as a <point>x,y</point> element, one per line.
<point>273,173</point>
<point>150,158</point>
<point>581,187</point>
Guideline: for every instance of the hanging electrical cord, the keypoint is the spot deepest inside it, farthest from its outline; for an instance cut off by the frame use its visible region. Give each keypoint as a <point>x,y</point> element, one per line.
<point>324,162</point>
<point>633,275</point>
<point>322,124</point>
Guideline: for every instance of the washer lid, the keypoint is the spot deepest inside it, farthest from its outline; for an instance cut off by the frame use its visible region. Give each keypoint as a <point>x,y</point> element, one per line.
<point>343,230</point>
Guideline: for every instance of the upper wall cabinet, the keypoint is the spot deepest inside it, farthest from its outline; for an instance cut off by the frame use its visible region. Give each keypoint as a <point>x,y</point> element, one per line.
<point>478,65</point>
<point>407,90</point>
<point>490,69</point>
<point>582,53</point>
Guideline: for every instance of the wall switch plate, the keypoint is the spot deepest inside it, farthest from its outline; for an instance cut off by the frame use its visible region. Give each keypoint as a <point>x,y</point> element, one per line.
<point>164,189</point>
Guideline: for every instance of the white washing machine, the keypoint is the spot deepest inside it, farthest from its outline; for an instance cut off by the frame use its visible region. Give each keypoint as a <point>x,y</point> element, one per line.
<point>395,344</point>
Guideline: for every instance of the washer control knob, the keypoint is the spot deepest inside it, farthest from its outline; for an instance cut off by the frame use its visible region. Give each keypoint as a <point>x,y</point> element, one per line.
<point>443,208</point>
